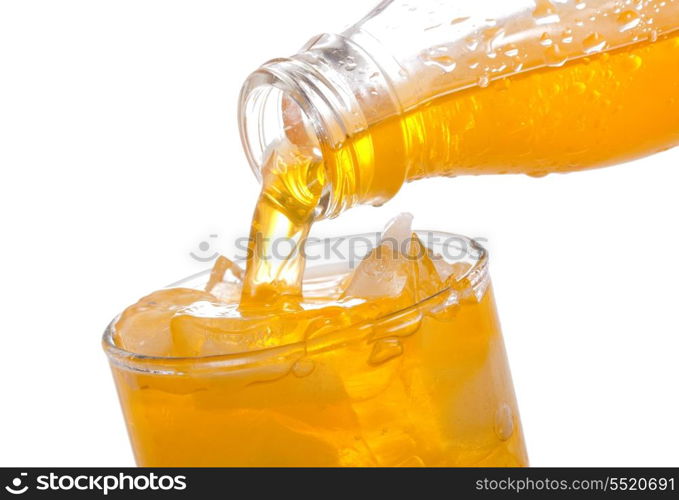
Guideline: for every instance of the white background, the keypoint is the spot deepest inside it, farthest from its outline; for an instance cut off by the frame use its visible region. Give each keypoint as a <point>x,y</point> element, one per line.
<point>119,154</point>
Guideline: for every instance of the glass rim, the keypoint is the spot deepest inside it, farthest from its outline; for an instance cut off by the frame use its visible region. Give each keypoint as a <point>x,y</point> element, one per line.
<point>475,277</point>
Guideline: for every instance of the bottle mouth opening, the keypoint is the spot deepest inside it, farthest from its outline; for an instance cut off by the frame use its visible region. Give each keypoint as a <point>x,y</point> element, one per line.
<point>273,111</point>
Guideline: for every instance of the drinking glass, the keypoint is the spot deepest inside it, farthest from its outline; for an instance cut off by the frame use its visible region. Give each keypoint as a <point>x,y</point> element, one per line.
<point>428,385</point>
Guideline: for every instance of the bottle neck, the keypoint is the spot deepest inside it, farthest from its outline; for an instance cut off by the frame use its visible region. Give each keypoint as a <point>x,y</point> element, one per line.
<point>326,98</point>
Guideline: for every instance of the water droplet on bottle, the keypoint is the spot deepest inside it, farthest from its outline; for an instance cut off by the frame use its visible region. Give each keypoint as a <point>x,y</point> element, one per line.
<point>511,50</point>
<point>653,35</point>
<point>350,63</point>
<point>483,81</point>
<point>303,367</point>
<point>446,63</point>
<point>471,43</point>
<point>438,57</point>
<point>554,57</point>
<point>432,27</point>
<point>629,20</point>
<point>567,36</point>
<point>504,422</point>
<point>459,20</point>
<point>384,350</point>
<point>545,40</point>
<point>593,43</point>
<point>580,4</point>
<point>545,12</point>
<point>544,8</point>
<point>493,35</point>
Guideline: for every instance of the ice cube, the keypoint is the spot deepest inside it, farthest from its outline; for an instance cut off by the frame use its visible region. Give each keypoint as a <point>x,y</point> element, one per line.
<point>384,271</point>
<point>207,329</point>
<point>425,280</point>
<point>443,267</point>
<point>385,427</point>
<point>459,269</point>
<point>227,291</point>
<point>225,280</point>
<point>450,271</point>
<point>144,328</point>
<point>401,266</point>
<point>397,232</point>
